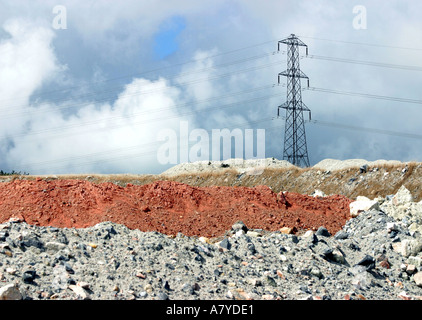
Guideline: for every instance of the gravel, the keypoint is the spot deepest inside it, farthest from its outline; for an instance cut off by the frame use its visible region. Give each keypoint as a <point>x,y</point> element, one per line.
<point>249,166</point>
<point>365,260</point>
<point>255,166</point>
<point>333,164</point>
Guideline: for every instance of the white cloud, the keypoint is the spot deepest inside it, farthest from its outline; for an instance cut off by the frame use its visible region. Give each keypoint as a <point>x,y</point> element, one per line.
<point>101,138</point>
<point>42,134</point>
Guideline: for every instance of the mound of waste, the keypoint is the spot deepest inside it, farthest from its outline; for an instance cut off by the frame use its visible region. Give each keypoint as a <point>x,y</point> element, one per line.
<point>168,207</point>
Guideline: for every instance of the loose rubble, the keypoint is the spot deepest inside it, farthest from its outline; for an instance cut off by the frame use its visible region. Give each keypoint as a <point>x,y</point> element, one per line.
<point>376,255</point>
<point>248,167</point>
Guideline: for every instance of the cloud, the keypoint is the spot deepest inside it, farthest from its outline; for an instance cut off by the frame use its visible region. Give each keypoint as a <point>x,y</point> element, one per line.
<point>43,139</point>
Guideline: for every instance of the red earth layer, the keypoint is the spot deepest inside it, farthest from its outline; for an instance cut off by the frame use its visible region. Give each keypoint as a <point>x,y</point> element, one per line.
<point>167,207</point>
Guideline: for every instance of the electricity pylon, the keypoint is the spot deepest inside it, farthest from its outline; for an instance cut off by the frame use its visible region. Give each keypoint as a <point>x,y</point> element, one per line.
<point>295,148</point>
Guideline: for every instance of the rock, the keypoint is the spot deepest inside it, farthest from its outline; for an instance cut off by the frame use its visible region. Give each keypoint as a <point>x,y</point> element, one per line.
<point>254,282</point>
<point>286,230</point>
<point>362,204</point>
<point>28,276</point>
<point>408,247</point>
<point>54,246</point>
<point>334,255</point>
<point>319,193</point>
<point>341,235</point>
<point>93,245</point>
<point>11,270</point>
<point>368,262</point>
<point>322,231</point>
<point>362,279</point>
<point>270,281</point>
<point>162,296</point>
<point>403,295</point>
<point>83,284</point>
<point>204,239</point>
<point>239,233</point>
<point>385,264</point>
<point>315,271</point>
<point>310,238</point>
<point>418,278</point>
<point>417,261</point>
<point>253,233</point>
<point>31,240</point>
<point>410,269</point>
<point>308,233</point>
<point>403,196</point>
<point>416,227</point>
<point>10,292</point>
<point>81,292</point>
<point>148,288</point>
<point>391,226</point>
<point>239,225</point>
<point>364,168</point>
<point>166,286</point>
<point>225,244</point>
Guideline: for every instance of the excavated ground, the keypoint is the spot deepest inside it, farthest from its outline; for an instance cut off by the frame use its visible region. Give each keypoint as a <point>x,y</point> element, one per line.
<point>168,207</point>
<point>208,201</point>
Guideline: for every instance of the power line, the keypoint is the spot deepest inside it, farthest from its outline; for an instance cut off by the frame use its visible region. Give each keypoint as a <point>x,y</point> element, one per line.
<point>365,95</point>
<point>156,69</point>
<point>137,93</point>
<point>364,44</point>
<point>369,63</point>
<point>277,127</point>
<point>155,90</point>
<point>372,130</point>
<point>141,146</point>
<point>160,118</point>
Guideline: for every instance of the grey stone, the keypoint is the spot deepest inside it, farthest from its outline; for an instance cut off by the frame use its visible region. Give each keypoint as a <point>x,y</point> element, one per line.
<point>270,281</point>
<point>28,276</point>
<point>417,261</point>
<point>367,261</point>
<point>408,247</point>
<point>341,235</point>
<point>10,292</point>
<point>315,271</point>
<point>362,280</point>
<point>225,243</point>
<point>54,246</point>
<point>239,225</point>
<point>32,241</point>
<point>418,278</point>
<point>162,296</point>
<point>322,231</point>
<point>80,292</point>
<point>334,255</point>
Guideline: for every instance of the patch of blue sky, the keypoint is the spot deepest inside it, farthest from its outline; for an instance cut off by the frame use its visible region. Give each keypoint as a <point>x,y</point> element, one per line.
<point>165,41</point>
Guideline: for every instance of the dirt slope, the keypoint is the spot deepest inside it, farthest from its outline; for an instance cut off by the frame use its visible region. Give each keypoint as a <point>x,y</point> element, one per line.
<point>167,207</point>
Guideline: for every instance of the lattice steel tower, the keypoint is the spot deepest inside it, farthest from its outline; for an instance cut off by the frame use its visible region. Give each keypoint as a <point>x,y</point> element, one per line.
<point>295,148</point>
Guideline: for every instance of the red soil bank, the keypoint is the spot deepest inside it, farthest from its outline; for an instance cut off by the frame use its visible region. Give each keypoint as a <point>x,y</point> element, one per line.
<point>167,207</point>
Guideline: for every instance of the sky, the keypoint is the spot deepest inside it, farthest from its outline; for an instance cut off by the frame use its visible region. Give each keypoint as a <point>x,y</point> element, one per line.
<point>137,86</point>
